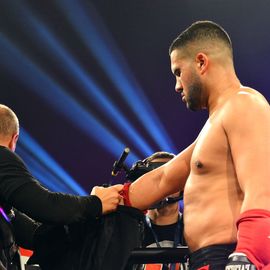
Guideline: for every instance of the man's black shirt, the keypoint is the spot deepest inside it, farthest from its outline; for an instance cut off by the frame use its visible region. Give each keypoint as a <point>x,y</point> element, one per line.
<point>20,190</point>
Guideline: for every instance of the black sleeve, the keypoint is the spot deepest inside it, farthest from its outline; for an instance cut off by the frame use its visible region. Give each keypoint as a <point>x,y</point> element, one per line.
<point>19,189</point>
<point>24,230</point>
<point>52,207</point>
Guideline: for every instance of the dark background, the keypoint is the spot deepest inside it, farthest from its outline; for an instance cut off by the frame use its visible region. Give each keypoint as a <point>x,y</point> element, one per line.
<point>40,37</point>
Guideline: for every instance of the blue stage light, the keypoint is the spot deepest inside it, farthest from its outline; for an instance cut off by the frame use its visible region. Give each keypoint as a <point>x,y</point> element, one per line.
<point>90,27</point>
<point>51,44</point>
<point>50,172</point>
<point>42,174</point>
<point>39,82</point>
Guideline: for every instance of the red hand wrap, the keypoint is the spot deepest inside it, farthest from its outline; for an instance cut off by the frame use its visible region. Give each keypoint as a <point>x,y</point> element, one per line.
<point>125,193</point>
<point>254,236</point>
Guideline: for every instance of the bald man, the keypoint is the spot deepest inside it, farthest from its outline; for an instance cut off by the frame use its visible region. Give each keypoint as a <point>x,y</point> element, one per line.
<point>20,190</point>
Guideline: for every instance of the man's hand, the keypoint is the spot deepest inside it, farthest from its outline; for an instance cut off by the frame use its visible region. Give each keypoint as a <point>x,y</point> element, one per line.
<point>109,197</point>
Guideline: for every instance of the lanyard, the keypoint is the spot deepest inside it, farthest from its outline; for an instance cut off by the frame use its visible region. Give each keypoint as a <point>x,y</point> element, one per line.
<point>175,242</point>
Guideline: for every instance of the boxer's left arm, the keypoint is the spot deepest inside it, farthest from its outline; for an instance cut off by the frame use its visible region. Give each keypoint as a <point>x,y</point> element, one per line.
<point>248,129</point>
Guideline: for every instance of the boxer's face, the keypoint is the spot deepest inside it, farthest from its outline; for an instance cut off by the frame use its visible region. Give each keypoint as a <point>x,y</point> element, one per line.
<point>194,96</point>
<point>188,82</point>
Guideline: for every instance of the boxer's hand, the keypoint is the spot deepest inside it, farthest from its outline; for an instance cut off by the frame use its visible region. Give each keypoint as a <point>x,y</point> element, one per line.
<point>109,197</point>
<point>239,261</point>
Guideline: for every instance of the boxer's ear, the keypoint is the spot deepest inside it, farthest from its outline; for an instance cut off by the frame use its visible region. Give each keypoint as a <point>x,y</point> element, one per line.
<point>202,62</point>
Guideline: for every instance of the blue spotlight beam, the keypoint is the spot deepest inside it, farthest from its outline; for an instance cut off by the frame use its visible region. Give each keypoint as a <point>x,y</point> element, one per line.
<point>51,44</point>
<point>91,88</point>
<point>110,57</point>
<point>42,174</point>
<point>38,82</point>
<point>44,158</point>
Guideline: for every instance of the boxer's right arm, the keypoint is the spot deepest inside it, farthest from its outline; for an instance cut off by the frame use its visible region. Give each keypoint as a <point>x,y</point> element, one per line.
<point>161,182</point>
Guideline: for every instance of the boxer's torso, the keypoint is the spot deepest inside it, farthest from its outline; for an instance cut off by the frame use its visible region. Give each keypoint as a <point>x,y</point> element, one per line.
<point>212,196</point>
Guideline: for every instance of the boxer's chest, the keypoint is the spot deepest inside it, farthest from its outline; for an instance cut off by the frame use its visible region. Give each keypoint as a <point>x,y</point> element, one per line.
<point>212,148</point>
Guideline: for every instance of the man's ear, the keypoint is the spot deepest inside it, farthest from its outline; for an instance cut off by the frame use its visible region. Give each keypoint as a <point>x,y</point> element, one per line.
<point>13,142</point>
<point>202,62</point>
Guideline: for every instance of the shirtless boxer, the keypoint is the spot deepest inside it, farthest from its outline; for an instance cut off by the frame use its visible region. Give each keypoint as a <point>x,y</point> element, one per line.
<point>226,171</point>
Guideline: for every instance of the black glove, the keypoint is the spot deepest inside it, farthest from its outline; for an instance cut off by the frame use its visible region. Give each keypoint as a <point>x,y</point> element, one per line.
<point>239,261</point>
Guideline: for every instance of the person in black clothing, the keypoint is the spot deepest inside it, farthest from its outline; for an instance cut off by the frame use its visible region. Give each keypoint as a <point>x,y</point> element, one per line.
<point>33,204</point>
<point>163,220</point>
